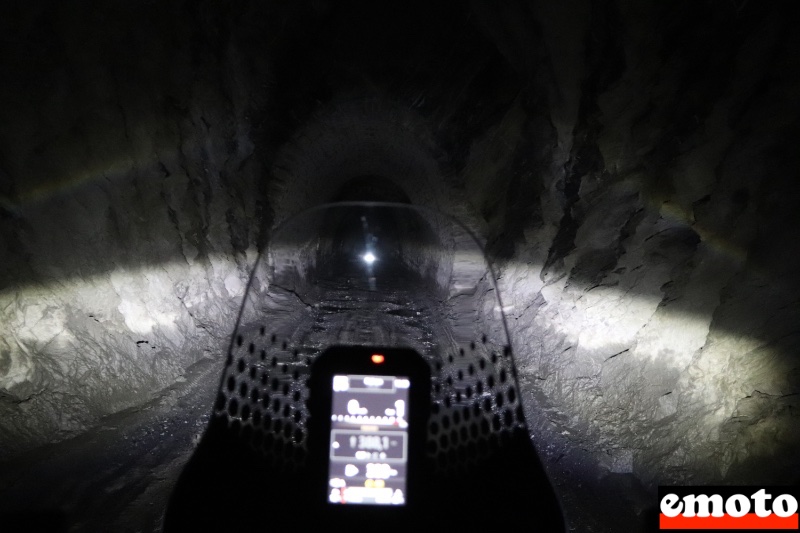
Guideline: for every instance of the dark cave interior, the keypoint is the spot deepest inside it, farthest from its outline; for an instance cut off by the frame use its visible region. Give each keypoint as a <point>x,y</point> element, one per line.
<point>630,167</point>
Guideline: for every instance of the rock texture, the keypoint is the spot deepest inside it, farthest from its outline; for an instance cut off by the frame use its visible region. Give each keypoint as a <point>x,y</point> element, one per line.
<point>128,164</point>
<point>652,303</point>
<point>632,166</point>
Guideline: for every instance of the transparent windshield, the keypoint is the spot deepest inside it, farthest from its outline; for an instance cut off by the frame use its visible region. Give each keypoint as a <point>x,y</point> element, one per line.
<point>372,274</point>
<point>379,276</point>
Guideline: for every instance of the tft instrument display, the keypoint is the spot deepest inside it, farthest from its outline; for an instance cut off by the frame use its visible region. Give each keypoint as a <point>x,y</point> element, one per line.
<point>368,452</point>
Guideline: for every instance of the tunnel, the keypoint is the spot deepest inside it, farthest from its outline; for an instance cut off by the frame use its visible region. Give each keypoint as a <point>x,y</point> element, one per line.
<point>628,169</point>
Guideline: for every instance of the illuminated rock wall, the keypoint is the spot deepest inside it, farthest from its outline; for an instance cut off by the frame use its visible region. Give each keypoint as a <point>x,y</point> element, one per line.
<point>651,277</point>
<point>129,188</point>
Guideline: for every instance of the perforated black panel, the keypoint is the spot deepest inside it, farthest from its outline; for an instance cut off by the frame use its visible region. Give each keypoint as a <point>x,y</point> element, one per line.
<point>264,393</point>
<point>475,405</point>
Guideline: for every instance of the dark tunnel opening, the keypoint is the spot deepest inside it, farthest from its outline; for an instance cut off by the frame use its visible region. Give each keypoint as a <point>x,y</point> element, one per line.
<point>346,238</point>
<point>382,242</point>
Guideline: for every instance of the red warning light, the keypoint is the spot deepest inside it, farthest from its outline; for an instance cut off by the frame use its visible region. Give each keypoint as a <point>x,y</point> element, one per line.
<point>378,358</point>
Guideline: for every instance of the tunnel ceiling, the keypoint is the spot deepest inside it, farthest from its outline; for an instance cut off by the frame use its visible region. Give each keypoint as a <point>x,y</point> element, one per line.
<point>631,166</point>
<point>371,189</point>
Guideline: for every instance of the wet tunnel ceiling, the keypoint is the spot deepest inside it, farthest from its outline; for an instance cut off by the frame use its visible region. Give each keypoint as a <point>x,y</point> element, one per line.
<point>632,166</point>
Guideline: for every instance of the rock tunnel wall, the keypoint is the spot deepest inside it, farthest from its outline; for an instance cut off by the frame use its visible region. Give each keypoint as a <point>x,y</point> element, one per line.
<point>128,176</point>
<point>648,308</point>
<point>632,166</point>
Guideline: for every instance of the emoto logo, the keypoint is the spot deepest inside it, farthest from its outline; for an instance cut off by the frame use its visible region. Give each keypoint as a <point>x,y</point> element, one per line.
<point>728,508</point>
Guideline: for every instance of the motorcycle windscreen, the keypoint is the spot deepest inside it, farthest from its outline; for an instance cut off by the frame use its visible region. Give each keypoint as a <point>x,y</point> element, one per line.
<point>372,275</point>
<point>390,275</point>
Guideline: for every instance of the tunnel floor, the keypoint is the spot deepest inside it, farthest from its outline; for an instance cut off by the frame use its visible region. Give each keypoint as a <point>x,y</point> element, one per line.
<point>117,476</point>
